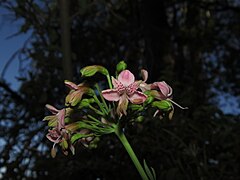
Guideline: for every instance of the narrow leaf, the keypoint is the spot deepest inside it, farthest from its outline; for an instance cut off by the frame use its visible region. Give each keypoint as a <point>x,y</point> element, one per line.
<point>148,170</point>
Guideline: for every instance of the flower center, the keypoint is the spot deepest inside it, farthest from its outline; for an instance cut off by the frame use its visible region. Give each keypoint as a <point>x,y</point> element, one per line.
<point>131,88</point>
<point>120,88</point>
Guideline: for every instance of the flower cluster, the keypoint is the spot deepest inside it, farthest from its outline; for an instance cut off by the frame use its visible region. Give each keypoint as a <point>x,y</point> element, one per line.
<point>90,112</point>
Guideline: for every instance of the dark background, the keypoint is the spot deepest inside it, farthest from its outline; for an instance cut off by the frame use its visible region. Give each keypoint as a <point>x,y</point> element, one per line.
<point>192,45</point>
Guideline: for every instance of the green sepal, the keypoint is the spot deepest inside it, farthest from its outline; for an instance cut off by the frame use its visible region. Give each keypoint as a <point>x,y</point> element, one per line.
<point>135,107</point>
<point>64,144</point>
<point>84,103</point>
<point>48,118</point>
<point>89,71</point>
<point>149,100</point>
<point>93,144</point>
<point>121,66</point>
<point>78,136</point>
<point>163,105</point>
<point>52,122</point>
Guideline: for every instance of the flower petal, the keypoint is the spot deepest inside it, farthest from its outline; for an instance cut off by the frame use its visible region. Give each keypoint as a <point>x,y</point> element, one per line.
<point>126,78</point>
<point>111,95</point>
<point>122,105</point>
<point>137,97</point>
<point>144,86</point>
<point>61,117</point>
<point>144,74</point>
<point>74,97</point>
<point>51,109</point>
<point>54,136</point>
<point>165,88</point>
<point>71,85</point>
<point>115,82</point>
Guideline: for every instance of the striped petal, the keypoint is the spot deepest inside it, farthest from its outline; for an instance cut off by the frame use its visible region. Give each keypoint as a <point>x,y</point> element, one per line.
<point>111,95</point>
<point>137,97</point>
<point>126,78</point>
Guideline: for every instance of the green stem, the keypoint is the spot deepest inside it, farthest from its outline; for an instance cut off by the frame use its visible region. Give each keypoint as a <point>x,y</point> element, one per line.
<point>99,104</point>
<point>101,96</point>
<point>131,153</point>
<point>109,81</point>
<point>96,110</point>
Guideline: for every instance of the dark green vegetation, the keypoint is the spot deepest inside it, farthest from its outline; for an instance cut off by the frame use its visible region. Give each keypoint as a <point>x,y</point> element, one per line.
<point>193,45</point>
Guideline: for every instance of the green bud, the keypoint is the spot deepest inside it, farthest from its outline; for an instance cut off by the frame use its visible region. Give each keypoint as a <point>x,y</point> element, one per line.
<point>89,71</point>
<point>78,136</point>
<point>135,107</point>
<point>121,66</point>
<point>93,144</point>
<point>149,100</point>
<point>163,105</point>
<point>85,103</point>
<point>139,119</point>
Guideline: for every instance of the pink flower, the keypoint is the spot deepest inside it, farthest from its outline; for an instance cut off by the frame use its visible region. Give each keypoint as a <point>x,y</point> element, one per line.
<point>76,93</point>
<point>125,90</point>
<point>59,133</point>
<point>57,119</point>
<point>164,90</point>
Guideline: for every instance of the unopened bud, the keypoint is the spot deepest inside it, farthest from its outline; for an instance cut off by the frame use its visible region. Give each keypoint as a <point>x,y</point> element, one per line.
<point>163,105</point>
<point>121,66</point>
<point>89,71</point>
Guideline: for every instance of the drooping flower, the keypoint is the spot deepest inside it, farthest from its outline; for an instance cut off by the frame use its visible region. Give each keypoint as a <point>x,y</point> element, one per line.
<point>57,117</point>
<point>125,90</point>
<point>58,134</point>
<point>164,91</point>
<point>76,93</point>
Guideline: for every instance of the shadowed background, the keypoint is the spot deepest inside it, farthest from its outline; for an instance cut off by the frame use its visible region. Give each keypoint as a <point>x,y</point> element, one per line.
<point>192,45</point>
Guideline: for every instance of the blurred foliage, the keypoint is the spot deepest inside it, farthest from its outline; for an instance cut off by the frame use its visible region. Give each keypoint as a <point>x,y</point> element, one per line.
<point>193,45</point>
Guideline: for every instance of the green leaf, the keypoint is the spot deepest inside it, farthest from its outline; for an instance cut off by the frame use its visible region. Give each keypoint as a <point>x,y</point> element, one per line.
<point>151,175</point>
<point>154,173</point>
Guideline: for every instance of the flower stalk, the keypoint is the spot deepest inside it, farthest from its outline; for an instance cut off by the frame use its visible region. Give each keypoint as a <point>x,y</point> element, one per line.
<point>131,153</point>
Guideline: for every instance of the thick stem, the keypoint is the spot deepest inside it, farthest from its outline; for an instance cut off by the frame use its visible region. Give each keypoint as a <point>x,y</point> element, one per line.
<point>131,153</point>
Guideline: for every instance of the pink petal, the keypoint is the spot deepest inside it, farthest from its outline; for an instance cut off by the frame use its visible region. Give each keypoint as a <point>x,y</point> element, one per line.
<point>145,87</point>
<point>115,82</point>
<point>165,88</point>
<point>61,117</point>
<point>137,97</point>
<point>111,95</point>
<point>71,85</point>
<point>126,78</point>
<point>51,109</point>
<point>144,74</point>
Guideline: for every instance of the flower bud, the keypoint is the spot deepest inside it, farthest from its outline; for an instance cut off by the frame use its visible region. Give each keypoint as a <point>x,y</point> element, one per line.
<point>89,71</point>
<point>149,100</point>
<point>139,119</point>
<point>163,105</point>
<point>121,66</point>
<point>84,103</point>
